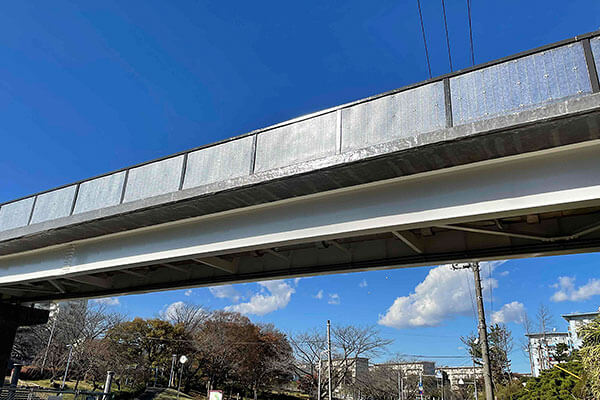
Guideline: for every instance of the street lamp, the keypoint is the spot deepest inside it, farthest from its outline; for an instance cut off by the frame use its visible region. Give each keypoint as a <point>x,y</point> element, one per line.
<point>182,361</point>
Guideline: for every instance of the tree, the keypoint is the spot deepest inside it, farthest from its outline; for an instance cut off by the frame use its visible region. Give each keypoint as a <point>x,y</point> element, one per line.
<point>590,354</point>
<point>266,358</point>
<point>348,344</point>
<point>500,346</point>
<point>561,353</point>
<point>544,319</point>
<point>147,344</point>
<point>220,343</point>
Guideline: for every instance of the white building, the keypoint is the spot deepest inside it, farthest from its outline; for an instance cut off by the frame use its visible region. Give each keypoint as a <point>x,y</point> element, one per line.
<point>542,347</point>
<point>410,368</point>
<point>468,374</point>
<point>576,321</point>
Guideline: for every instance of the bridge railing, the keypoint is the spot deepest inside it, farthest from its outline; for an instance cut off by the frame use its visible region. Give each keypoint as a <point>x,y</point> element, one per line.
<point>503,87</point>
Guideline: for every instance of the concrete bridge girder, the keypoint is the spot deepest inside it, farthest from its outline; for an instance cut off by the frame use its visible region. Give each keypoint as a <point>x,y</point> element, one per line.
<point>435,217</point>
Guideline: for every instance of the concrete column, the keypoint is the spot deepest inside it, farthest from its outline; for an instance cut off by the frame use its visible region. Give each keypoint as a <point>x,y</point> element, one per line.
<point>12,317</point>
<point>108,384</point>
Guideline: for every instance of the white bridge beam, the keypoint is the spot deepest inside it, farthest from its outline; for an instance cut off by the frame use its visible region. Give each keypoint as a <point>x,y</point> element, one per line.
<point>559,179</point>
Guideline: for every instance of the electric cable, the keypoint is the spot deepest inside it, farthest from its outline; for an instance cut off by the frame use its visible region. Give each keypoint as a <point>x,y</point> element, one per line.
<point>470,32</point>
<point>424,38</point>
<point>447,36</point>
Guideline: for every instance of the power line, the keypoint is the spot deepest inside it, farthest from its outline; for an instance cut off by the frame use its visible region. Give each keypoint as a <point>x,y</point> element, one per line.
<point>424,38</point>
<point>447,36</point>
<point>471,32</point>
<point>491,287</point>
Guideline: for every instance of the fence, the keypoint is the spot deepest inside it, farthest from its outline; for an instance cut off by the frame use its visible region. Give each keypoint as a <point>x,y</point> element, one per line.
<point>38,393</point>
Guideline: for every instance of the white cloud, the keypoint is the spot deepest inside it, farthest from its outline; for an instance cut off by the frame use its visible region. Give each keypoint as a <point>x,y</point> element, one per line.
<point>188,292</point>
<point>169,312</point>
<point>504,273</point>
<point>225,292</point>
<point>445,293</point>
<point>510,312</point>
<point>363,283</point>
<point>109,301</point>
<point>334,298</point>
<point>319,295</point>
<point>280,294</point>
<point>568,292</point>
<point>296,281</point>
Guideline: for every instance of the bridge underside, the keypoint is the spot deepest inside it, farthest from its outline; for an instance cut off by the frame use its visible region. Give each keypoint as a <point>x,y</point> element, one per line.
<point>534,204</point>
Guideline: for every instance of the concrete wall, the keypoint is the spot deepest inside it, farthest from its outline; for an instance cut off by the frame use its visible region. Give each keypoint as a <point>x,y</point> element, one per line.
<point>490,91</point>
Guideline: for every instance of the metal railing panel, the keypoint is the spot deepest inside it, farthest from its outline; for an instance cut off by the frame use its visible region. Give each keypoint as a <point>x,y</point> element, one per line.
<point>402,115</point>
<point>595,44</point>
<point>154,179</point>
<point>16,214</point>
<point>520,84</point>
<point>99,193</point>
<point>218,163</point>
<point>55,204</point>
<point>300,141</point>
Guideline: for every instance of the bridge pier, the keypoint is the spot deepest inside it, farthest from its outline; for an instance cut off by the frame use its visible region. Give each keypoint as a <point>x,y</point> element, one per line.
<point>11,318</point>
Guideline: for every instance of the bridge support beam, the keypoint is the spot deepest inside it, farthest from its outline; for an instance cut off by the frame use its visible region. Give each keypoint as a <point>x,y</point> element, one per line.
<point>11,318</point>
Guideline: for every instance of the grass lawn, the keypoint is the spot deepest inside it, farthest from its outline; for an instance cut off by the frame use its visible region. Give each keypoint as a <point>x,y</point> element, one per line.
<point>171,394</point>
<point>69,385</point>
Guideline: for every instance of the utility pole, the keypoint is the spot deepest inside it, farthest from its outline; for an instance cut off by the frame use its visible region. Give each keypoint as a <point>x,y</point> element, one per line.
<point>329,358</point>
<point>172,376</point>
<point>67,368</point>
<point>485,353</point>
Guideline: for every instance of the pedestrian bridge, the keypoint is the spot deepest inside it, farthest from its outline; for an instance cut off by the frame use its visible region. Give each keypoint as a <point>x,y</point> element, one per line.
<point>496,161</point>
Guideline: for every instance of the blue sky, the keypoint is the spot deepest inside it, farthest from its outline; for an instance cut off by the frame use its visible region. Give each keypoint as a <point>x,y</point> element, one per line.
<point>86,89</point>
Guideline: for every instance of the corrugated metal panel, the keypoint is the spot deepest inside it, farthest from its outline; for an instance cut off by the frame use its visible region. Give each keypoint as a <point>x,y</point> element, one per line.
<point>54,204</point>
<point>218,163</point>
<point>402,115</point>
<point>99,193</point>
<point>153,179</point>
<point>16,214</point>
<point>520,84</point>
<point>595,44</point>
<point>301,141</point>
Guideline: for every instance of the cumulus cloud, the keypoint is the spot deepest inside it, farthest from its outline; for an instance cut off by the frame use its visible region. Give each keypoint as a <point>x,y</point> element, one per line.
<point>334,298</point>
<point>567,291</point>
<point>319,295</point>
<point>170,312</point>
<point>188,292</point>
<point>296,281</point>
<point>109,301</point>
<point>443,294</point>
<point>225,292</point>
<point>510,312</point>
<point>363,283</point>
<point>278,296</point>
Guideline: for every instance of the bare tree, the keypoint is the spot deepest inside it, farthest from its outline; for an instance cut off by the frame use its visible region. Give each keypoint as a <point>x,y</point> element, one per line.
<point>349,343</point>
<point>544,319</point>
<point>190,316</point>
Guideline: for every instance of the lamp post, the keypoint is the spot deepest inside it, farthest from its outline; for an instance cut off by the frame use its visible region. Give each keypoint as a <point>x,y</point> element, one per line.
<point>182,361</point>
